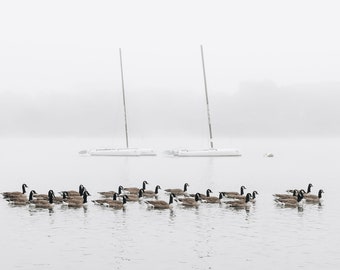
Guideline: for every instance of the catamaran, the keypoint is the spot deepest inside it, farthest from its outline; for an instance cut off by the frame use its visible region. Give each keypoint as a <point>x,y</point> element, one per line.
<point>210,152</point>
<point>120,151</point>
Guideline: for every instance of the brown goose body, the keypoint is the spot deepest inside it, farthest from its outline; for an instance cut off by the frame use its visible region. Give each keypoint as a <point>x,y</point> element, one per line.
<point>231,194</point>
<point>178,191</point>
<point>135,190</point>
<point>243,203</point>
<point>13,194</point>
<point>151,193</point>
<point>117,204</point>
<point>160,204</point>
<point>191,202</point>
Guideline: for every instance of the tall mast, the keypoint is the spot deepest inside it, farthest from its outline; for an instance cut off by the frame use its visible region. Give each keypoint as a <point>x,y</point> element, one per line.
<point>121,72</point>
<point>207,99</point>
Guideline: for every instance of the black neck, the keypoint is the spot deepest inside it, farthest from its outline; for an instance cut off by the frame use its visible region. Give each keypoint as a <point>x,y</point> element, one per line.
<point>320,194</point>
<point>171,199</point>
<point>208,193</point>
<point>242,191</point>
<point>197,197</point>
<point>248,197</point>
<point>65,194</point>
<point>309,188</point>
<point>221,196</point>
<point>124,199</point>
<point>81,190</point>
<point>23,189</point>
<point>185,187</point>
<point>85,197</point>
<point>30,198</point>
<point>144,185</point>
<point>50,197</point>
<point>114,197</point>
<point>156,189</point>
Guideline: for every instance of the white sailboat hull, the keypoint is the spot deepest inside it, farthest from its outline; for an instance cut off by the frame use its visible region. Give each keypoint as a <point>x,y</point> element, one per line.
<point>213,152</point>
<point>119,152</point>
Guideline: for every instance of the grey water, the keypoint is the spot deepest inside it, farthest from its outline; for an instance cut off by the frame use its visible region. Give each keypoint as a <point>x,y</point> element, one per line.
<point>208,237</point>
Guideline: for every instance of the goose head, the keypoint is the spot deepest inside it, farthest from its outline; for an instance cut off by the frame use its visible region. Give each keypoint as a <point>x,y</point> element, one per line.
<point>242,190</point>
<point>24,186</point>
<point>30,198</point>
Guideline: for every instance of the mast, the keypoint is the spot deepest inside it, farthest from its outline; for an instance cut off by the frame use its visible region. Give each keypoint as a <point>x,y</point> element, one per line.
<point>207,99</point>
<point>123,90</point>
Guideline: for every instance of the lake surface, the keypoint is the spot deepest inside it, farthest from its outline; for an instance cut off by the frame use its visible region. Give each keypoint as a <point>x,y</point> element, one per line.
<point>207,237</point>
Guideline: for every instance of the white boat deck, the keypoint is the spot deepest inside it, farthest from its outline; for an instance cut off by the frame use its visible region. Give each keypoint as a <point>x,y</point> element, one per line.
<point>119,152</point>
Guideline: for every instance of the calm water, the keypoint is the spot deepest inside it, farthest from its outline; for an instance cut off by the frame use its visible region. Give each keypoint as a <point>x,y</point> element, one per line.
<point>209,237</point>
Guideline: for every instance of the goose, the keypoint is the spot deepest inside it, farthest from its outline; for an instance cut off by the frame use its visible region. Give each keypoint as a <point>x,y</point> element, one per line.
<point>151,193</point>
<point>134,197</point>
<point>103,201</point>
<point>107,194</point>
<point>212,199</point>
<point>43,203</point>
<point>229,194</point>
<point>12,194</point>
<point>72,193</point>
<point>314,198</point>
<point>135,190</point>
<point>244,203</point>
<point>295,202</point>
<point>240,197</point>
<point>254,195</point>
<point>178,191</point>
<point>158,204</point>
<point>117,204</point>
<point>290,196</point>
<point>22,200</point>
<point>191,202</point>
<point>78,203</point>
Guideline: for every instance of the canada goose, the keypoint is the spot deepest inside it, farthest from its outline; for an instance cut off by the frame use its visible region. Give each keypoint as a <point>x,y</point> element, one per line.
<point>151,193</point>
<point>22,200</point>
<point>103,201</point>
<point>290,196</point>
<point>72,193</point>
<point>158,204</point>
<point>43,203</point>
<point>78,203</point>
<point>178,191</point>
<point>244,203</point>
<point>240,197</point>
<point>117,204</point>
<point>212,199</point>
<point>295,202</point>
<point>229,194</point>
<point>107,194</point>
<point>12,194</point>
<point>253,196</point>
<point>314,198</point>
<point>191,202</point>
<point>135,190</point>
<point>134,197</point>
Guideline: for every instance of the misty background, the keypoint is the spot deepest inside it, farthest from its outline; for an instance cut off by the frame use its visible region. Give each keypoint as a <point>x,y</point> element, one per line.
<point>272,68</point>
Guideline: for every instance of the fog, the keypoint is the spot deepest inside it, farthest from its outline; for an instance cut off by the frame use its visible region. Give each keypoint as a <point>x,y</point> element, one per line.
<point>272,68</point>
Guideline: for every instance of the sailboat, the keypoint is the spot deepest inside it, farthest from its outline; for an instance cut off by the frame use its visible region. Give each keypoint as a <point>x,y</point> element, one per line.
<point>210,152</point>
<point>120,151</point>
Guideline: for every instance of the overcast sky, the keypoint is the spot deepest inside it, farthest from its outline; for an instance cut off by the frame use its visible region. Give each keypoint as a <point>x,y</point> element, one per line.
<point>63,49</point>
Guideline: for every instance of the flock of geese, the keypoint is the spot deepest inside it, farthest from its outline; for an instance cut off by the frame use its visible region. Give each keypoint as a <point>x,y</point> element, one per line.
<point>298,197</point>
<point>181,197</point>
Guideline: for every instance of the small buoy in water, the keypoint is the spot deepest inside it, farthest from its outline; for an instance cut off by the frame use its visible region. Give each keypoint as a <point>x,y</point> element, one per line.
<point>269,155</point>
